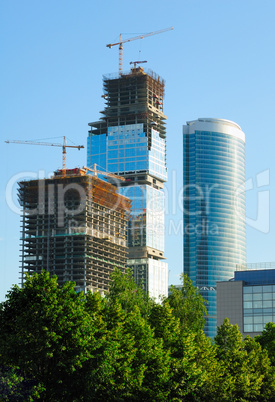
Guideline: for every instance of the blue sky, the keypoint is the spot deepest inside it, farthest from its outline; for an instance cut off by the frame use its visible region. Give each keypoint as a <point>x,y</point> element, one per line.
<point>217,62</point>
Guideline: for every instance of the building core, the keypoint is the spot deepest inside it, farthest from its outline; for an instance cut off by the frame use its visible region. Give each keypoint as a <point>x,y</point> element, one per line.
<point>74,226</point>
<point>130,140</point>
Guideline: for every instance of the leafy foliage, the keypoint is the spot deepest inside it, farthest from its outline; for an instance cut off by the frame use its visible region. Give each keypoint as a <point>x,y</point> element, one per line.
<point>57,345</point>
<point>46,331</point>
<point>248,372</point>
<point>267,340</point>
<point>125,291</point>
<point>188,305</point>
<point>14,388</point>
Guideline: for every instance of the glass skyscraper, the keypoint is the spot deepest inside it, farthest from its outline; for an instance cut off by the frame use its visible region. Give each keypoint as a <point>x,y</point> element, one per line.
<point>130,140</point>
<point>214,206</point>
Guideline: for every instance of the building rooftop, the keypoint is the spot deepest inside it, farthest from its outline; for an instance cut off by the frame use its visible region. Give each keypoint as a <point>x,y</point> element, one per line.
<point>256,277</point>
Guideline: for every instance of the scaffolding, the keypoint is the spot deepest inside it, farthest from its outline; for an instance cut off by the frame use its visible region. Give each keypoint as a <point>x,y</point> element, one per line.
<point>75,227</point>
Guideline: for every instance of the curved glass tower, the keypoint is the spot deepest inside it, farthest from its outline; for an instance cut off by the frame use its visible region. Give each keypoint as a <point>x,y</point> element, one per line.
<point>214,206</point>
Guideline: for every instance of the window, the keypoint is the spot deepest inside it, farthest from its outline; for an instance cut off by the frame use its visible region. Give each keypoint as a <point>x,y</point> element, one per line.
<point>248,328</point>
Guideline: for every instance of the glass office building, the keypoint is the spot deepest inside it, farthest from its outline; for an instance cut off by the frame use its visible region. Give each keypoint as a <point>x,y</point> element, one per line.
<point>248,299</point>
<point>214,206</point>
<point>130,140</point>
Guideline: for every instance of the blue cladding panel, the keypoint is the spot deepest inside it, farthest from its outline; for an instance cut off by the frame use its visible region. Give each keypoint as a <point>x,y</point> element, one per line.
<point>125,149</point>
<point>146,224</point>
<point>96,151</point>
<point>256,277</point>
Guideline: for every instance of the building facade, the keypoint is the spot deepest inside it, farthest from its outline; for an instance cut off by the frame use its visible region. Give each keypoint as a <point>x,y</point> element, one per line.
<point>74,226</point>
<point>248,300</point>
<point>214,206</point>
<point>130,140</point>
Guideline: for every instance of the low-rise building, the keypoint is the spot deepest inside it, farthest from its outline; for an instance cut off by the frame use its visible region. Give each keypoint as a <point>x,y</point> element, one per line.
<point>248,299</point>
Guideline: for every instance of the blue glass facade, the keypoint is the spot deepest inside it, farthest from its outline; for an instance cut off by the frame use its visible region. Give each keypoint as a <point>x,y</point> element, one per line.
<point>256,277</point>
<point>146,224</point>
<point>157,156</point>
<point>96,151</point>
<point>125,149</point>
<point>214,209</point>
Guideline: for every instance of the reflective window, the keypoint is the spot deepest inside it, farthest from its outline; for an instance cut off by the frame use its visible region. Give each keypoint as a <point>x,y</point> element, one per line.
<point>248,328</point>
<point>267,296</point>
<point>257,296</point>
<point>262,310</point>
<point>146,223</point>
<point>127,147</point>
<point>268,289</point>
<point>257,289</point>
<point>96,145</point>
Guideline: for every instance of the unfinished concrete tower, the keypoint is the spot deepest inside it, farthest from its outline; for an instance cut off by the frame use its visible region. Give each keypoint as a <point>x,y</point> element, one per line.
<point>130,140</point>
<point>74,226</point>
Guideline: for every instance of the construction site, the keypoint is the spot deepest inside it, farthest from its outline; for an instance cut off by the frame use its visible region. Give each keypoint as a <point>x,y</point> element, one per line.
<point>74,225</point>
<point>133,98</point>
<point>78,226</point>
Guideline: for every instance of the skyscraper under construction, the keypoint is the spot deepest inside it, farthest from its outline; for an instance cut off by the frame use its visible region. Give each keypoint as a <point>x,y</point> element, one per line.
<point>74,225</point>
<point>130,140</point>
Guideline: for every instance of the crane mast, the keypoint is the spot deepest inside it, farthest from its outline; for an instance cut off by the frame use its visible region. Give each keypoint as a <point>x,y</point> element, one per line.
<point>120,43</point>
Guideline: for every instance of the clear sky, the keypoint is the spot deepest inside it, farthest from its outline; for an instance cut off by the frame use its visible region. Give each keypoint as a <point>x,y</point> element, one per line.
<point>217,62</point>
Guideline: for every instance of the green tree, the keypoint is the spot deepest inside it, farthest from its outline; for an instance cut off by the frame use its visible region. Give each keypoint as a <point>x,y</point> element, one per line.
<point>261,369</point>
<point>248,373</point>
<point>124,290</point>
<point>194,372</point>
<point>188,305</point>
<point>14,388</point>
<point>47,333</point>
<point>128,362</point>
<point>57,345</point>
<point>131,364</point>
<point>267,340</point>
<point>165,325</point>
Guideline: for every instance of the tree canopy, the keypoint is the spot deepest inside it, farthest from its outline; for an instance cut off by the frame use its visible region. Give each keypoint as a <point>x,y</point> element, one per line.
<point>247,368</point>
<point>59,345</point>
<point>267,340</point>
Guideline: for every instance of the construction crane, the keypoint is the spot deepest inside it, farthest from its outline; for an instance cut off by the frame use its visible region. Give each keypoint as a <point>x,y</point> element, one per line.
<point>95,171</point>
<point>137,62</point>
<point>120,43</point>
<point>64,146</point>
